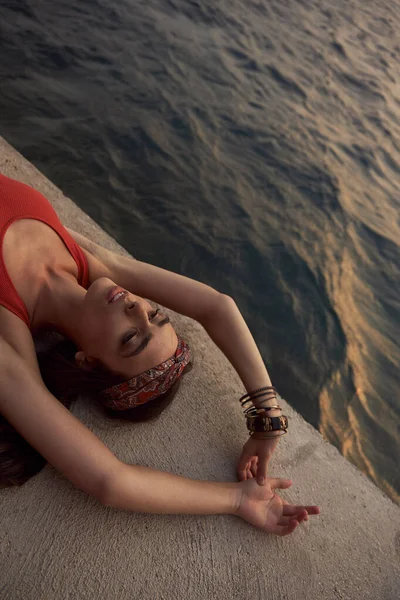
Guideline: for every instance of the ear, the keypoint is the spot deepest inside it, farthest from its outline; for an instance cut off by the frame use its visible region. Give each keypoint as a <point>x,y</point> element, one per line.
<point>85,362</point>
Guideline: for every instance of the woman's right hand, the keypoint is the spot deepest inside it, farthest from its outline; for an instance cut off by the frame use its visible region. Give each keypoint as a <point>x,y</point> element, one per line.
<point>263,508</point>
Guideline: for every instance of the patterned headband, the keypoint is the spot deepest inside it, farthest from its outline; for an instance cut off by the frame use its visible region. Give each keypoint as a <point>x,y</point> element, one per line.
<point>149,384</point>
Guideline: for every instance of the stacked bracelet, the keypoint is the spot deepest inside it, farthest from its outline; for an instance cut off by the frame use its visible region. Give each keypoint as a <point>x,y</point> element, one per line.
<point>265,390</point>
<point>257,421</point>
<point>266,436</point>
<point>262,423</point>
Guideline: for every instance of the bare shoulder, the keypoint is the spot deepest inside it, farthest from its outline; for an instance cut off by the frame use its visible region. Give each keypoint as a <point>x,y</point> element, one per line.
<point>15,335</point>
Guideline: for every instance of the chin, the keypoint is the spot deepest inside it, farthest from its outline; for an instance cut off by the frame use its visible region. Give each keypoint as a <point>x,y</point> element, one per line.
<point>99,288</point>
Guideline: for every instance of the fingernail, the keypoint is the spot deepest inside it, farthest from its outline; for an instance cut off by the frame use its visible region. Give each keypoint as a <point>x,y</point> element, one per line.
<point>261,480</point>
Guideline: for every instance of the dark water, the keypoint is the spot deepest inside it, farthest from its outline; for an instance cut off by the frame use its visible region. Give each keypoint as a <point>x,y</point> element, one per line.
<point>254,146</point>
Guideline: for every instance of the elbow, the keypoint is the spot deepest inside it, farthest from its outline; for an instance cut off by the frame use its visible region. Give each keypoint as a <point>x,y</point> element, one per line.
<point>105,499</point>
<point>224,303</point>
<point>104,496</point>
<point>106,491</point>
<point>227,299</point>
<point>102,493</point>
<point>100,489</point>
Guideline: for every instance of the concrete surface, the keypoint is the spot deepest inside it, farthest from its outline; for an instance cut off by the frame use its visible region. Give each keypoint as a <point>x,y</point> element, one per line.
<point>56,543</point>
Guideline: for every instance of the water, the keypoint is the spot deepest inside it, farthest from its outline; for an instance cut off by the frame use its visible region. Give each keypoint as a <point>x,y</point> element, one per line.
<point>254,146</point>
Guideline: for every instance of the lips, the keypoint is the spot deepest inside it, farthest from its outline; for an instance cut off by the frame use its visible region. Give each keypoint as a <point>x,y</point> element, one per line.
<point>115,291</point>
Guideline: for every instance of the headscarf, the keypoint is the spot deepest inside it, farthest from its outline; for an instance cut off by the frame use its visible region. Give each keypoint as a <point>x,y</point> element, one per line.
<point>150,384</point>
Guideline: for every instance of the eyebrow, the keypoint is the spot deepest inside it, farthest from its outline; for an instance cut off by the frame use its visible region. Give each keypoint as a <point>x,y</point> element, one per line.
<point>144,343</point>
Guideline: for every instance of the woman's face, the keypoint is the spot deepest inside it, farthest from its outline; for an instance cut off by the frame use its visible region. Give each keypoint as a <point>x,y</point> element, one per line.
<point>124,331</point>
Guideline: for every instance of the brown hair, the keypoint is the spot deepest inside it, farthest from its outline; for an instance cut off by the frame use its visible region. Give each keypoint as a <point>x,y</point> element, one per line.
<point>19,461</point>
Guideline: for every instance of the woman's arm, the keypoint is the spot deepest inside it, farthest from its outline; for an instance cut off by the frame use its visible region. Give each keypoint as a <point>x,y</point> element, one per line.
<point>221,318</point>
<point>228,329</point>
<point>82,458</point>
<point>216,312</point>
<point>79,455</point>
<point>141,489</point>
<point>50,427</point>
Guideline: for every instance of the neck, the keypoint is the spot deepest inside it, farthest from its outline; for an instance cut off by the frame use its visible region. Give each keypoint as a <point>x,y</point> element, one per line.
<point>59,305</point>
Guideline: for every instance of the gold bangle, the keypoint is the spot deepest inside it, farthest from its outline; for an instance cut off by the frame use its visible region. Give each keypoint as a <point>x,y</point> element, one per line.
<point>258,435</point>
<point>254,415</point>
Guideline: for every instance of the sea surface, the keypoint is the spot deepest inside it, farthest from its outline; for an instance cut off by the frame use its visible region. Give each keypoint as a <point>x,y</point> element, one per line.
<point>254,146</point>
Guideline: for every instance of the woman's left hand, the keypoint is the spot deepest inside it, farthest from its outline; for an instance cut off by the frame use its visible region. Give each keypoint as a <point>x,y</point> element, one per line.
<point>255,457</point>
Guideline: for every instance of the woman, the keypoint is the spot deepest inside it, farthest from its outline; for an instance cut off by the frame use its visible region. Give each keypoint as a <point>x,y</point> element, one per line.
<point>53,278</point>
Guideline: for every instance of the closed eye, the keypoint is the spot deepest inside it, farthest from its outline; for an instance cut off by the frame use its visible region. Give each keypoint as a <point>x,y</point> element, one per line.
<point>128,337</point>
<point>133,333</point>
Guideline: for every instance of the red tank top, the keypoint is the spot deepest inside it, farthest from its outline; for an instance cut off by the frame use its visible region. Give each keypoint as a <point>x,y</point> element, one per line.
<point>20,201</point>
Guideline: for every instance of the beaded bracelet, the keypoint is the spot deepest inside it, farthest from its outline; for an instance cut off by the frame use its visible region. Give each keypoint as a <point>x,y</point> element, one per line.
<point>267,423</point>
<point>257,422</point>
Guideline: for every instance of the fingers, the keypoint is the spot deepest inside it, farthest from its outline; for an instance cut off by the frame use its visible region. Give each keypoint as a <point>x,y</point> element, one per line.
<point>282,484</point>
<point>291,510</point>
<point>300,517</point>
<point>288,529</point>
<point>300,513</point>
<point>313,510</point>
<point>292,516</point>
<point>262,468</point>
<point>242,466</point>
<point>247,466</point>
<point>251,468</point>
<point>284,521</point>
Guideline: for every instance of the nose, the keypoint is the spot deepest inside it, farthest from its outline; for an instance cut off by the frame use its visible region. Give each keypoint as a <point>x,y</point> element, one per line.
<point>130,305</point>
<point>135,308</point>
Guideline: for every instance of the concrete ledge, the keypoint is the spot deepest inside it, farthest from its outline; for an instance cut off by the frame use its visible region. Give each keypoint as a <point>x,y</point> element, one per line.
<point>57,543</point>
